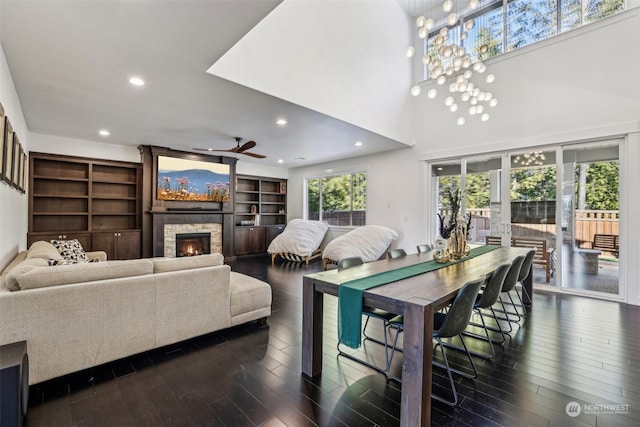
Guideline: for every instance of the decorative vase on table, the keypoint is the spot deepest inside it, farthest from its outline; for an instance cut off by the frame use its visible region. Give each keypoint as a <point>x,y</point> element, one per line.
<point>441,253</point>
<point>458,247</point>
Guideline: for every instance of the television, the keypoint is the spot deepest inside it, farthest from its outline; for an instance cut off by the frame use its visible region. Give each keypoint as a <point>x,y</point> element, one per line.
<point>192,180</point>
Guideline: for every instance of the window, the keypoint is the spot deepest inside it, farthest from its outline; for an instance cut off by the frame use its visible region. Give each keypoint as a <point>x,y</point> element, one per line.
<point>504,25</point>
<point>338,199</point>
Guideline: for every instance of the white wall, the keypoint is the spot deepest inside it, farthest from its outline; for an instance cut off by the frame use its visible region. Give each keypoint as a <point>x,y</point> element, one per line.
<point>395,194</point>
<point>82,148</point>
<point>13,221</point>
<point>342,58</point>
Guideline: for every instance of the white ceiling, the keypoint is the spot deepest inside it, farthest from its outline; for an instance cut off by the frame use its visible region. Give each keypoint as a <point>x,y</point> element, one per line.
<point>70,62</point>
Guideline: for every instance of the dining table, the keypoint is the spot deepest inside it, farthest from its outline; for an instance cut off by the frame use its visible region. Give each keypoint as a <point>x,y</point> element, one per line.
<point>416,298</point>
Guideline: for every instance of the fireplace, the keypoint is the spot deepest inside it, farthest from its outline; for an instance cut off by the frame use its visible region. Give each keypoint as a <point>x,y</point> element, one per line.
<point>190,244</point>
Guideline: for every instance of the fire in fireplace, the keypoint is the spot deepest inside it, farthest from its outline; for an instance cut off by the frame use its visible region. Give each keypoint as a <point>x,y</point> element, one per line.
<point>190,244</point>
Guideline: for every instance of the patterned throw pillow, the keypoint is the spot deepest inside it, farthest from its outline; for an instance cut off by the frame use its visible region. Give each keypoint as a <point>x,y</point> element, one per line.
<point>70,250</point>
<point>53,261</point>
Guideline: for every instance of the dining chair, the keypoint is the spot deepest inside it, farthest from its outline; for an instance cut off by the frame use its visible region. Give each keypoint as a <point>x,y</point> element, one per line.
<point>485,301</point>
<point>369,313</point>
<point>423,248</point>
<point>396,253</point>
<point>525,270</point>
<point>509,284</point>
<point>447,325</point>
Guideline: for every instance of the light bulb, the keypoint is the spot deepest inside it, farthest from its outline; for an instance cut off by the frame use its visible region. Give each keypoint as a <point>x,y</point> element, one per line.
<point>481,96</point>
<point>432,93</point>
<point>447,5</point>
<point>460,121</point>
<point>444,32</point>
<point>465,96</point>
<point>415,90</point>
<point>425,59</point>
<point>479,109</point>
<point>449,101</point>
<point>429,23</point>
<point>447,52</point>
<point>410,52</point>
<point>420,21</point>
<point>422,33</point>
<point>493,102</point>
<point>453,88</point>
<point>484,117</point>
<point>441,80</point>
<point>453,108</point>
<point>472,110</point>
<point>468,25</point>
<point>488,96</point>
<point>467,74</point>
<point>490,78</point>
<point>473,4</point>
<point>464,35</point>
<point>473,100</point>
<point>484,48</point>
<point>452,19</point>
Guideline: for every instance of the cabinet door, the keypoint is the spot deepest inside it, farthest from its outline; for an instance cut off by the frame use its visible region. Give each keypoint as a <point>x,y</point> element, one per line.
<point>271,233</point>
<point>249,240</point>
<point>128,245</point>
<point>106,242</point>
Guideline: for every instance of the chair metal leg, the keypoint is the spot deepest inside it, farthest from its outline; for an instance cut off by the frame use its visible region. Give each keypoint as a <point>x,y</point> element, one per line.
<point>486,337</point>
<point>453,402</point>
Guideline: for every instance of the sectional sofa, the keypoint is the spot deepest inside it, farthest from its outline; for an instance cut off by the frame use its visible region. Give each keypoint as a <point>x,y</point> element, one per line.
<point>77,316</point>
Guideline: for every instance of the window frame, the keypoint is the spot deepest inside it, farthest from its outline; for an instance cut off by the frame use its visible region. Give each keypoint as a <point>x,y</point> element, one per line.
<point>321,198</point>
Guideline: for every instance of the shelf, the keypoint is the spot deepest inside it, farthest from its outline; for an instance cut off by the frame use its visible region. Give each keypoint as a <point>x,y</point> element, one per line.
<point>104,181</point>
<point>113,214</point>
<point>113,197</point>
<point>273,214</point>
<point>246,202</point>
<point>273,203</point>
<point>61,213</point>
<point>248,192</point>
<point>274,193</point>
<point>60,178</point>
<point>62,196</point>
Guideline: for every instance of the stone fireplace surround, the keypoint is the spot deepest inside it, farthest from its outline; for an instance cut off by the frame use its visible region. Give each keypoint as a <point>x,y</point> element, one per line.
<point>170,231</point>
<point>167,223</point>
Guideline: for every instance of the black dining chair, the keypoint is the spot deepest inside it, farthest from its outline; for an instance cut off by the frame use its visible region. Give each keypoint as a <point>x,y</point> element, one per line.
<point>525,270</point>
<point>396,253</point>
<point>509,284</point>
<point>424,248</point>
<point>485,301</point>
<point>448,325</point>
<point>369,313</point>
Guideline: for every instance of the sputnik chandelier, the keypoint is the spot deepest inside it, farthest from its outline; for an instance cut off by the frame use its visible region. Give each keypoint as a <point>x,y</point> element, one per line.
<point>450,64</point>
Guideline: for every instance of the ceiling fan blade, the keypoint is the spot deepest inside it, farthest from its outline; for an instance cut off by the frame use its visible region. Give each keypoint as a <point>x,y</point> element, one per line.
<point>257,156</point>
<point>247,145</point>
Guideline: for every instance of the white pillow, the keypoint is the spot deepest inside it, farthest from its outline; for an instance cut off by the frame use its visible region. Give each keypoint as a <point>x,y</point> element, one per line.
<point>368,242</point>
<point>300,237</point>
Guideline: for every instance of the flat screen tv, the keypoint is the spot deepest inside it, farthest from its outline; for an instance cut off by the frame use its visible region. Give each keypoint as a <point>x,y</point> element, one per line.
<point>192,180</point>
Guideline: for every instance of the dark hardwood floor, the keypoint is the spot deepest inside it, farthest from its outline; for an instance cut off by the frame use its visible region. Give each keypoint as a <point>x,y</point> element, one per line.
<point>569,349</point>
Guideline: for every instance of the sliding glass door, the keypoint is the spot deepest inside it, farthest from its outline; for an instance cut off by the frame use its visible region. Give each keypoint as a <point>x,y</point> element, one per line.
<point>590,218</point>
<point>563,201</point>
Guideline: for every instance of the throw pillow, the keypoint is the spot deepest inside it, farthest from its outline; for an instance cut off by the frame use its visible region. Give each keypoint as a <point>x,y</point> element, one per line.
<point>70,250</point>
<point>54,261</point>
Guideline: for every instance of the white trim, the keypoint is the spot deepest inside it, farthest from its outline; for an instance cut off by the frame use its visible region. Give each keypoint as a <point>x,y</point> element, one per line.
<point>573,137</point>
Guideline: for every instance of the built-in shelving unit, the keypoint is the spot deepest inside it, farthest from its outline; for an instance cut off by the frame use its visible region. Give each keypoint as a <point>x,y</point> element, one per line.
<point>76,197</point>
<point>260,212</point>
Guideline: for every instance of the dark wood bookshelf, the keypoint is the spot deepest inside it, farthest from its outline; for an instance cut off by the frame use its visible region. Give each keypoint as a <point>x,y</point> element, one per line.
<point>94,200</point>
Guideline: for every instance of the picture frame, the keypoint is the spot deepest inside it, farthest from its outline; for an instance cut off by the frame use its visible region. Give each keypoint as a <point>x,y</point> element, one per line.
<point>15,168</point>
<point>7,163</point>
<point>23,172</point>
<point>2,140</point>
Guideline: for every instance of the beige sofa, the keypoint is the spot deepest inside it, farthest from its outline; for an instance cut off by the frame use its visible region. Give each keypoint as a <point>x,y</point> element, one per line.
<point>77,316</point>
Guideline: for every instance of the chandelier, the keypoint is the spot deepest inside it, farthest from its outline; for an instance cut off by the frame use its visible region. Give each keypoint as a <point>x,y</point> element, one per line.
<point>534,158</point>
<point>451,66</point>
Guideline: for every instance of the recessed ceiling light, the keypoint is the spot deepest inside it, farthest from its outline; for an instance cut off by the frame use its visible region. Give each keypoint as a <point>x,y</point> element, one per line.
<point>281,122</point>
<point>280,161</point>
<point>136,81</point>
<point>104,132</point>
<point>358,144</point>
<point>439,168</point>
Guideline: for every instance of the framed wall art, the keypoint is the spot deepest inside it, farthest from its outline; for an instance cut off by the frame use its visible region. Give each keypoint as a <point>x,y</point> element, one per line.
<point>17,155</point>
<point>23,172</point>
<point>7,163</point>
<point>2,145</point>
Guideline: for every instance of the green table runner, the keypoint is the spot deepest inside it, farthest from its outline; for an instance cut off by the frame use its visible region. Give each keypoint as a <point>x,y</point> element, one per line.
<point>350,293</point>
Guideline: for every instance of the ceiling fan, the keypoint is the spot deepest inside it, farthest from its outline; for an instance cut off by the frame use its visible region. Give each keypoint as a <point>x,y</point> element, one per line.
<point>240,149</point>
